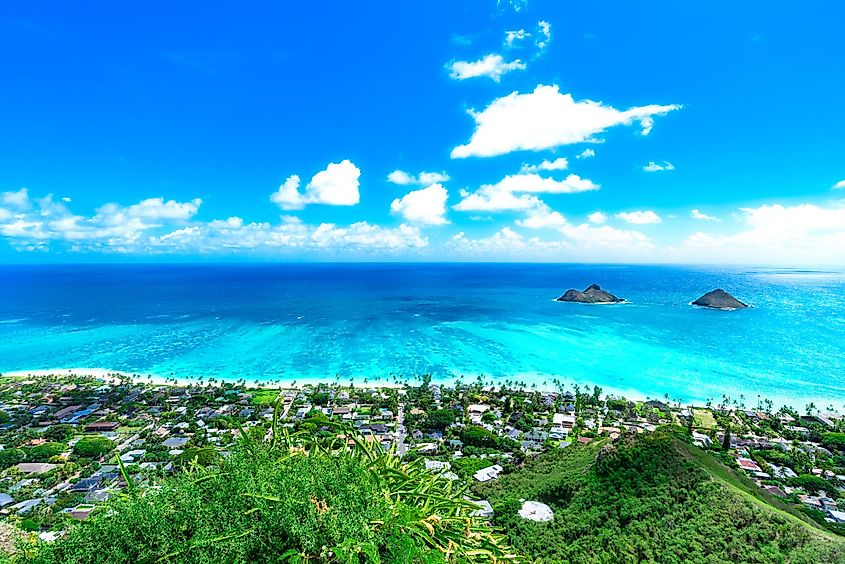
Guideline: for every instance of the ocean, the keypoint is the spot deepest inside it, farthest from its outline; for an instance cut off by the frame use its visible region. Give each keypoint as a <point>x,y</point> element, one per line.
<point>376,322</point>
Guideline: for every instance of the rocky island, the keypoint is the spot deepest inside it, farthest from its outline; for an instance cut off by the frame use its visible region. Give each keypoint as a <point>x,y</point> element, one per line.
<point>719,299</point>
<point>592,295</point>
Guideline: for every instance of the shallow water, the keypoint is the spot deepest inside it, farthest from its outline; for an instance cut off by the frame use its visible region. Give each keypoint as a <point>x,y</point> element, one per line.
<point>304,321</point>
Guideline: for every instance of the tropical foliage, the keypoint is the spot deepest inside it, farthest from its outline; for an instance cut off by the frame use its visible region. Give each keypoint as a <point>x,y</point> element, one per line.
<point>286,499</point>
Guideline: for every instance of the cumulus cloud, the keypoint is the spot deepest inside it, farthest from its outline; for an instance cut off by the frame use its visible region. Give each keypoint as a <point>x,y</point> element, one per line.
<point>492,66</point>
<point>337,185</point>
<point>597,217</point>
<point>698,214</point>
<point>513,192</point>
<point>542,216</point>
<point>37,223</point>
<point>158,209</point>
<point>640,217</point>
<point>655,167</point>
<point>426,206</point>
<point>544,119</point>
<point>18,199</point>
<point>557,164</point>
<point>778,234</point>
<point>157,225</point>
<point>586,154</point>
<point>839,185</point>
<point>423,178</point>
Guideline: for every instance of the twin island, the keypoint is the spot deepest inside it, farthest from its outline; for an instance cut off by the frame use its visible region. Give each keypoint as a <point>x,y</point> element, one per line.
<point>593,294</point>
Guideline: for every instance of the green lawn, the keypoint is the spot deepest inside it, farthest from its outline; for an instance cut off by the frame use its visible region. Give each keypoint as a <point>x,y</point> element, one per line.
<point>265,397</point>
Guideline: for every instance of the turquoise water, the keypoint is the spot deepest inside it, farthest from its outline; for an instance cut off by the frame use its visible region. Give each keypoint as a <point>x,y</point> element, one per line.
<point>319,321</point>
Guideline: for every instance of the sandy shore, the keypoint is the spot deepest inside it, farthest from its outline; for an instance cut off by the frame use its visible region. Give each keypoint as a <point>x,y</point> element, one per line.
<point>114,376</point>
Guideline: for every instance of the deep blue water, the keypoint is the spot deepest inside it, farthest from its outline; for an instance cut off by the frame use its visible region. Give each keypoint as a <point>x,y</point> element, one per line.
<point>297,322</point>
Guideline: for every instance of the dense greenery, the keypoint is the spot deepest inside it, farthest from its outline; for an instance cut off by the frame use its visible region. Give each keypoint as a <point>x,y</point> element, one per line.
<point>285,501</point>
<point>93,447</point>
<point>649,499</point>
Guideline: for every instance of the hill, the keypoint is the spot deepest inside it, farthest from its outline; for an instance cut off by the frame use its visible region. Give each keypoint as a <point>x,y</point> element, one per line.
<point>650,498</point>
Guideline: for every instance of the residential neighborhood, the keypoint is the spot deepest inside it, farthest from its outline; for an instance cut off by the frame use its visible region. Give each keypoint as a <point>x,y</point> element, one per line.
<point>69,443</point>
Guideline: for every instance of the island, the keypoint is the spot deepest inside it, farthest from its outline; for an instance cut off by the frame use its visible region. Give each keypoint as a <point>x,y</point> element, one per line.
<point>719,299</point>
<point>592,295</point>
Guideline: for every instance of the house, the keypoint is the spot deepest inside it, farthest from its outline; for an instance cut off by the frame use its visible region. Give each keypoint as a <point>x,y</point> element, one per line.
<point>489,473</point>
<point>175,442</point>
<point>774,490</point>
<point>101,426</point>
<point>437,465</point>
<point>67,411</point>
<point>748,465</point>
<point>35,467</point>
<point>6,499</point>
<point>484,508</point>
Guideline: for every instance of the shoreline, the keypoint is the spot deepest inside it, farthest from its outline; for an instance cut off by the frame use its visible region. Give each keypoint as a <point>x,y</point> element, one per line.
<point>113,376</point>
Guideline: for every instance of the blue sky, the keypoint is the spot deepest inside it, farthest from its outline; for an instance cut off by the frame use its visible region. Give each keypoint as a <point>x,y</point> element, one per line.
<point>555,131</point>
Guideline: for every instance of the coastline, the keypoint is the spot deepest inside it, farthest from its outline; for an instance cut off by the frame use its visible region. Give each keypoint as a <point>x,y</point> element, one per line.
<point>113,376</point>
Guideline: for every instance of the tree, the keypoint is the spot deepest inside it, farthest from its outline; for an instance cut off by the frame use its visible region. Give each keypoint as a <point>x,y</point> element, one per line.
<point>93,447</point>
<point>726,442</point>
<point>438,419</point>
<point>11,456</point>
<point>59,433</point>
<point>43,453</point>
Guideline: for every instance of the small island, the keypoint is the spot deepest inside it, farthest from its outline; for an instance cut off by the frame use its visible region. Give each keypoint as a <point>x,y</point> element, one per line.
<point>719,299</point>
<point>592,295</point>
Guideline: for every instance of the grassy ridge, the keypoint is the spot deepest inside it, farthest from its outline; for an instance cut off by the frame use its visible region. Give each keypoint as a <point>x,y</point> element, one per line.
<point>650,498</point>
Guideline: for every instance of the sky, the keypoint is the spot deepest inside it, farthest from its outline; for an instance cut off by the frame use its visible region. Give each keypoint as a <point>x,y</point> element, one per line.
<point>483,130</point>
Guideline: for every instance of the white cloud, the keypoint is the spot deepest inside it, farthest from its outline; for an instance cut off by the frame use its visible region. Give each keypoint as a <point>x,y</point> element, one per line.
<point>654,167</point>
<point>597,217</point>
<point>557,164</point>
<point>698,214</point>
<point>544,119</point>
<point>492,66</point>
<point>426,206</point>
<point>586,154</point>
<point>839,185</point>
<point>641,217</point>
<point>158,209</point>
<point>502,195</point>
<point>423,178</point>
<point>156,225</point>
<point>802,234</point>
<point>337,185</point>
<point>544,34</point>
<point>18,199</point>
<point>542,216</point>
<point>517,36</point>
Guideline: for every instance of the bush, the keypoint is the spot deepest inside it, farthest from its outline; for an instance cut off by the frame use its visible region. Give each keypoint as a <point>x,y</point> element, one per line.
<point>93,447</point>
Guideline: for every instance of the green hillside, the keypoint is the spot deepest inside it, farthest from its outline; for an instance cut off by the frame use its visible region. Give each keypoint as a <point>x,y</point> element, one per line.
<point>651,498</point>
